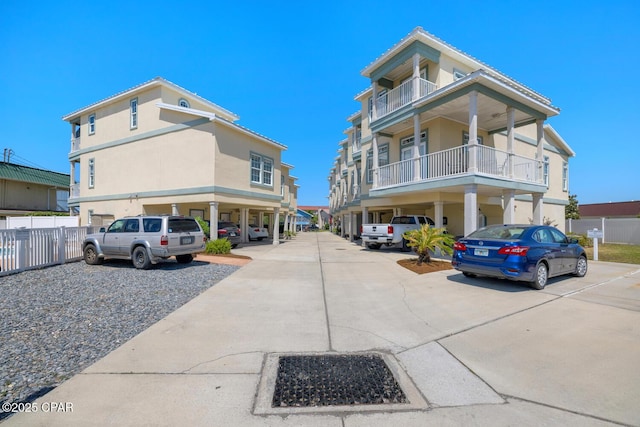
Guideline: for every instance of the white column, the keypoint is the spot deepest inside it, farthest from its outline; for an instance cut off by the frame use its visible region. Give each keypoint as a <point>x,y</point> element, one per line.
<point>537,208</point>
<point>244,224</point>
<point>365,219</point>
<point>509,210</point>
<point>416,76</point>
<point>72,178</point>
<point>416,147</point>
<point>276,226</point>
<point>374,97</point>
<point>438,208</point>
<point>470,208</point>
<point>261,219</point>
<point>540,147</point>
<point>473,131</point>
<point>352,226</point>
<point>174,209</point>
<point>286,224</point>
<point>511,116</point>
<point>374,149</point>
<point>213,220</point>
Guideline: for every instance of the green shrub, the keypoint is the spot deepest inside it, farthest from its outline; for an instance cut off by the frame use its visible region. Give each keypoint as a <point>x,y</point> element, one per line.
<point>204,226</point>
<point>218,246</point>
<point>583,240</point>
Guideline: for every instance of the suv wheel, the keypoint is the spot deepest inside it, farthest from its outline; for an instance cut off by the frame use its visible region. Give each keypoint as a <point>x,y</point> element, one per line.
<point>91,255</point>
<point>141,258</point>
<point>184,259</point>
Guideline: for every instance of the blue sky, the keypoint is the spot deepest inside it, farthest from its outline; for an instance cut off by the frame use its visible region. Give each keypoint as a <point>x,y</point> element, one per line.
<point>290,70</point>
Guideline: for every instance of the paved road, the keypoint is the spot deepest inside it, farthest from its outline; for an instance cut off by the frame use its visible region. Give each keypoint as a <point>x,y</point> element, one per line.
<point>468,351</point>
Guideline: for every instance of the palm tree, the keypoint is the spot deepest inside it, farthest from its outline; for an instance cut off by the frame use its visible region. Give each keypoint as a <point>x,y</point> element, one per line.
<point>426,238</point>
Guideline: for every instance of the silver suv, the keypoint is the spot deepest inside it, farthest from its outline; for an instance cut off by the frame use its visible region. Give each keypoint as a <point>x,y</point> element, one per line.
<point>146,240</point>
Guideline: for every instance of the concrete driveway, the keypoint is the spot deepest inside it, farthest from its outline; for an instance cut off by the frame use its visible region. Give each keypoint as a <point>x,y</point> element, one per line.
<point>478,351</point>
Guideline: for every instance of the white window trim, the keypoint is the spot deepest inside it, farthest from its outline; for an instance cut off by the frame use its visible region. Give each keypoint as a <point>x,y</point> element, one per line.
<point>133,113</point>
<point>565,176</point>
<point>91,124</point>
<point>263,160</point>
<point>185,102</point>
<point>545,170</point>
<point>458,74</point>
<point>92,173</point>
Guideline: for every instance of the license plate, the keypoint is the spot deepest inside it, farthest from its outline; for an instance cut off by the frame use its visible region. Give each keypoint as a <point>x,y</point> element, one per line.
<point>232,233</point>
<point>187,240</point>
<point>481,252</point>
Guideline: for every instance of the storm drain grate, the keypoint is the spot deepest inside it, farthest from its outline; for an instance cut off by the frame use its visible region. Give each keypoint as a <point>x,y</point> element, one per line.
<point>329,380</point>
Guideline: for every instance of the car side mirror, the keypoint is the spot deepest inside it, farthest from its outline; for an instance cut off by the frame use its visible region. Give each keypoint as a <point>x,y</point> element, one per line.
<point>102,229</point>
<point>573,240</point>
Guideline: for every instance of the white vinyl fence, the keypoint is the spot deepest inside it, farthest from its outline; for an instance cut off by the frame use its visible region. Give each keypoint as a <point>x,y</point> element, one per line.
<point>616,230</point>
<point>40,222</point>
<point>25,249</point>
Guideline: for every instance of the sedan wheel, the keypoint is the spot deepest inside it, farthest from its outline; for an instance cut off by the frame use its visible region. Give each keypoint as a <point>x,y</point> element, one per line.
<point>540,279</point>
<point>581,267</point>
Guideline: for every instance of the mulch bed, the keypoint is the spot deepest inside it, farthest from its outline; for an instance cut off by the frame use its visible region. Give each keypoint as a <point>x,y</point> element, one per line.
<point>425,267</point>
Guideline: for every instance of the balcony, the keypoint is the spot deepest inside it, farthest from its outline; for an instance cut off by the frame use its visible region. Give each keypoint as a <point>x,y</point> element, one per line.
<point>402,95</point>
<point>460,161</point>
<point>74,191</point>
<point>75,144</point>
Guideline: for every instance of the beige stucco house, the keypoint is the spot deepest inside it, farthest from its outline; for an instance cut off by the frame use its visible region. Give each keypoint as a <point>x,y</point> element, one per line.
<point>24,190</point>
<point>158,148</point>
<point>443,134</point>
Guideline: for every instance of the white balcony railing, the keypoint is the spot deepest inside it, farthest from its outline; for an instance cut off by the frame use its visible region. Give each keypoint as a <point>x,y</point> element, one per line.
<point>74,191</point>
<point>402,95</point>
<point>457,161</point>
<point>75,144</point>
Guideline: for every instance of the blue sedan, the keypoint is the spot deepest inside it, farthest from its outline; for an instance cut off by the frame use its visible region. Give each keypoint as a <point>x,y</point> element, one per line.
<point>529,253</point>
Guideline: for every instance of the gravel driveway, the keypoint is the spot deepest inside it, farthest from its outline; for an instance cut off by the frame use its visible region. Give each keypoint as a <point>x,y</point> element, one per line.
<point>57,321</point>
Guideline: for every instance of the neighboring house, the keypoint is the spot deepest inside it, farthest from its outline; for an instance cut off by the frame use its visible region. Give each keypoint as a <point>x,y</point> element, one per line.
<point>323,214</point>
<point>24,190</point>
<point>442,134</point>
<point>303,219</point>
<point>159,149</point>
<point>610,210</point>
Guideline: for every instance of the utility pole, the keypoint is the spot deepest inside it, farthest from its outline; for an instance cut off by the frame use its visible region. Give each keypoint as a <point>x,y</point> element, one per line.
<point>8,152</point>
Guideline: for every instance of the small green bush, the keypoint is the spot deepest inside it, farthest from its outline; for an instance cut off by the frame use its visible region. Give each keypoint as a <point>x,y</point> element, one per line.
<point>204,226</point>
<point>583,240</point>
<point>218,246</point>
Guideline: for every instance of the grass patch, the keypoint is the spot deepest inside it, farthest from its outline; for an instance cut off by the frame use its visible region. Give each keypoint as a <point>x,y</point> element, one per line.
<point>612,252</point>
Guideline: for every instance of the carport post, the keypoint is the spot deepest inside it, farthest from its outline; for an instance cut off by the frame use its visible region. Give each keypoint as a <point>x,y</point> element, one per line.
<point>276,226</point>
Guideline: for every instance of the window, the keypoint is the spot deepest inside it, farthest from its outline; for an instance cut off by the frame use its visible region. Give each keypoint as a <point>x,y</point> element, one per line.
<point>132,226</point>
<point>565,176</point>
<point>261,170</point>
<point>92,173</point>
<point>383,159</point>
<point>356,139</point>
<point>184,103</point>
<point>545,170</point>
<point>92,124</point>
<point>282,185</point>
<point>117,226</point>
<point>465,138</point>
<point>457,74</point>
<point>133,109</point>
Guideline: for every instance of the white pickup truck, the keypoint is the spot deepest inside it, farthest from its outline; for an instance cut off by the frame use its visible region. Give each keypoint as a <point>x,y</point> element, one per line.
<point>376,235</point>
